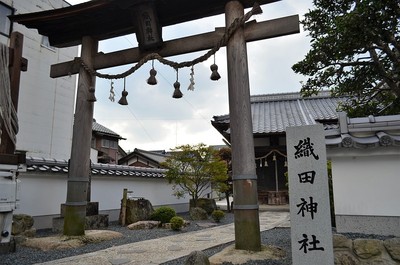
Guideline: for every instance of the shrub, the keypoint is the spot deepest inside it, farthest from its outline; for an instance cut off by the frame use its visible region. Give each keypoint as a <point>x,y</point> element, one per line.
<point>217,215</point>
<point>197,213</point>
<point>163,214</point>
<point>176,223</point>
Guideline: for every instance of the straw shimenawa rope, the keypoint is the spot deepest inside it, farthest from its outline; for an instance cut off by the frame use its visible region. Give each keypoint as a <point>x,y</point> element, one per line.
<point>8,113</point>
<point>238,22</point>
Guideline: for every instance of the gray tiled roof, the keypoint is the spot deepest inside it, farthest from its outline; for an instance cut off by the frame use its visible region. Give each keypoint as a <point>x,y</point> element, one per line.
<point>365,132</point>
<point>155,156</point>
<point>273,113</point>
<point>158,156</point>
<point>61,166</point>
<point>98,128</point>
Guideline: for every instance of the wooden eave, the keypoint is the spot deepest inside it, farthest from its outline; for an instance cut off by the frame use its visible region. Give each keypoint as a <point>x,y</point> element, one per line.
<point>104,19</point>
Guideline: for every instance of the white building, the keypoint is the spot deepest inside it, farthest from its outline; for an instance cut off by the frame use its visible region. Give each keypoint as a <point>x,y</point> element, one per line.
<point>365,155</point>
<point>46,105</point>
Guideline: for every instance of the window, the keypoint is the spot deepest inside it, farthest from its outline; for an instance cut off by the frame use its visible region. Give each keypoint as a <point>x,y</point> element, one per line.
<point>5,23</point>
<point>109,144</point>
<point>105,143</point>
<point>46,43</point>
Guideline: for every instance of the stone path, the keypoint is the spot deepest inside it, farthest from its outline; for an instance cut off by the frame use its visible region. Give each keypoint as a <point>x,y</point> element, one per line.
<point>164,249</point>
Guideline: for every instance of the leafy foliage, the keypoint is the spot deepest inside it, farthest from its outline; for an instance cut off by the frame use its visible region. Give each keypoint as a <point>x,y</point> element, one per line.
<point>355,51</point>
<point>217,215</point>
<point>194,169</point>
<point>163,214</point>
<point>225,154</point>
<point>176,223</point>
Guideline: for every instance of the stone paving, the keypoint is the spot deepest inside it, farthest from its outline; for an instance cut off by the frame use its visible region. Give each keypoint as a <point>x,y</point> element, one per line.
<point>164,249</point>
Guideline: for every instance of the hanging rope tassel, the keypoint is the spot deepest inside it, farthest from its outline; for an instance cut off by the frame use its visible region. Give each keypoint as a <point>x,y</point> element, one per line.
<point>214,74</point>
<point>256,10</point>
<point>237,23</point>
<point>152,79</point>
<point>191,85</point>
<point>123,100</point>
<point>177,92</point>
<point>91,96</point>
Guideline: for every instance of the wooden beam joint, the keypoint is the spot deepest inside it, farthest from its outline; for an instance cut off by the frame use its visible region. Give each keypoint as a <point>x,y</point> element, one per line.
<point>23,65</point>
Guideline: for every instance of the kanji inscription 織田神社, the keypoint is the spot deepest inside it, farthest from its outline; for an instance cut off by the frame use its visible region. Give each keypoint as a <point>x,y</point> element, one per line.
<point>311,230</point>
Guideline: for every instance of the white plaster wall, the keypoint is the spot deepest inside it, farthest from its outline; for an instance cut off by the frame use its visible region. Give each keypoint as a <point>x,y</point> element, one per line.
<point>108,191</point>
<point>94,155</point>
<point>366,185</point>
<point>46,105</point>
<point>42,194</point>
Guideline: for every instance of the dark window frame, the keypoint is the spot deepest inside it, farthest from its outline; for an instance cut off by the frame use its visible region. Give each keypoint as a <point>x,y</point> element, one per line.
<point>109,143</point>
<point>12,10</point>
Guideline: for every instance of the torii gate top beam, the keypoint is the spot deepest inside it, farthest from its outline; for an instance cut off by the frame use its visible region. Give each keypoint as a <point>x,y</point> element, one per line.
<point>104,19</point>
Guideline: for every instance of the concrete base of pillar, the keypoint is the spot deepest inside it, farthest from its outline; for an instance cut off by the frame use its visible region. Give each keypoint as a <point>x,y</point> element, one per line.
<point>92,222</point>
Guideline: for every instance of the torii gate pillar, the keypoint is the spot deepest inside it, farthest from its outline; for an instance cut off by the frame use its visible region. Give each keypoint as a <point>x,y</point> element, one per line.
<point>247,224</point>
<point>79,166</point>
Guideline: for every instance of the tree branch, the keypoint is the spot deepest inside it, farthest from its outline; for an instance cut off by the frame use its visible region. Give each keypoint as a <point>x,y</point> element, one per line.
<point>381,70</point>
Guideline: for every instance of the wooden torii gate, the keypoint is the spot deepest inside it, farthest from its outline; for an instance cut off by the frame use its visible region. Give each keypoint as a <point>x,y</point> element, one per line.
<point>9,159</point>
<point>247,227</point>
<point>17,65</point>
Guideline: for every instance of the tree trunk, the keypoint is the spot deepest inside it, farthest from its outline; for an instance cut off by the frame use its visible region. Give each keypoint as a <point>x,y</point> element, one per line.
<point>228,204</point>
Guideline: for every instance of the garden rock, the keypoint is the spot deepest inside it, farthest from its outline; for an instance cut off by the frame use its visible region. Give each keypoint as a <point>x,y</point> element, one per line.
<point>22,225</point>
<point>138,210</point>
<point>197,258</point>
<point>367,248</point>
<point>393,247</point>
<point>143,225</point>
<point>209,205</point>
<point>66,242</point>
<point>341,242</point>
<point>198,213</point>
<point>231,255</point>
<point>344,258</point>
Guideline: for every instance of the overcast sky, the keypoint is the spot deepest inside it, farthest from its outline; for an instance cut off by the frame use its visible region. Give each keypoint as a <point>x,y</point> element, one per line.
<point>154,120</point>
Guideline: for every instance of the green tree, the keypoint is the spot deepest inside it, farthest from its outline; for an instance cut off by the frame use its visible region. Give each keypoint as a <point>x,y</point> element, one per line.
<point>225,154</point>
<point>193,170</point>
<point>355,52</point>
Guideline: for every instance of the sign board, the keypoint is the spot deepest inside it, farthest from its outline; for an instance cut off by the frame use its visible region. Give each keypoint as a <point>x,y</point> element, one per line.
<point>311,229</point>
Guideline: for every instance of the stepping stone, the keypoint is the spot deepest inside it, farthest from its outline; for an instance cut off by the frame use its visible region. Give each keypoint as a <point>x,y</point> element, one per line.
<point>203,239</point>
<point>132,251</point>
<point>119,261</point>
<point>206,225</point>
<point>175,248</point>
<point>204,235</point>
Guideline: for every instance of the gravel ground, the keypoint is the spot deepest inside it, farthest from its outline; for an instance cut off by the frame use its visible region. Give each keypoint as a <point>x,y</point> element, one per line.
<point>279,237</point>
